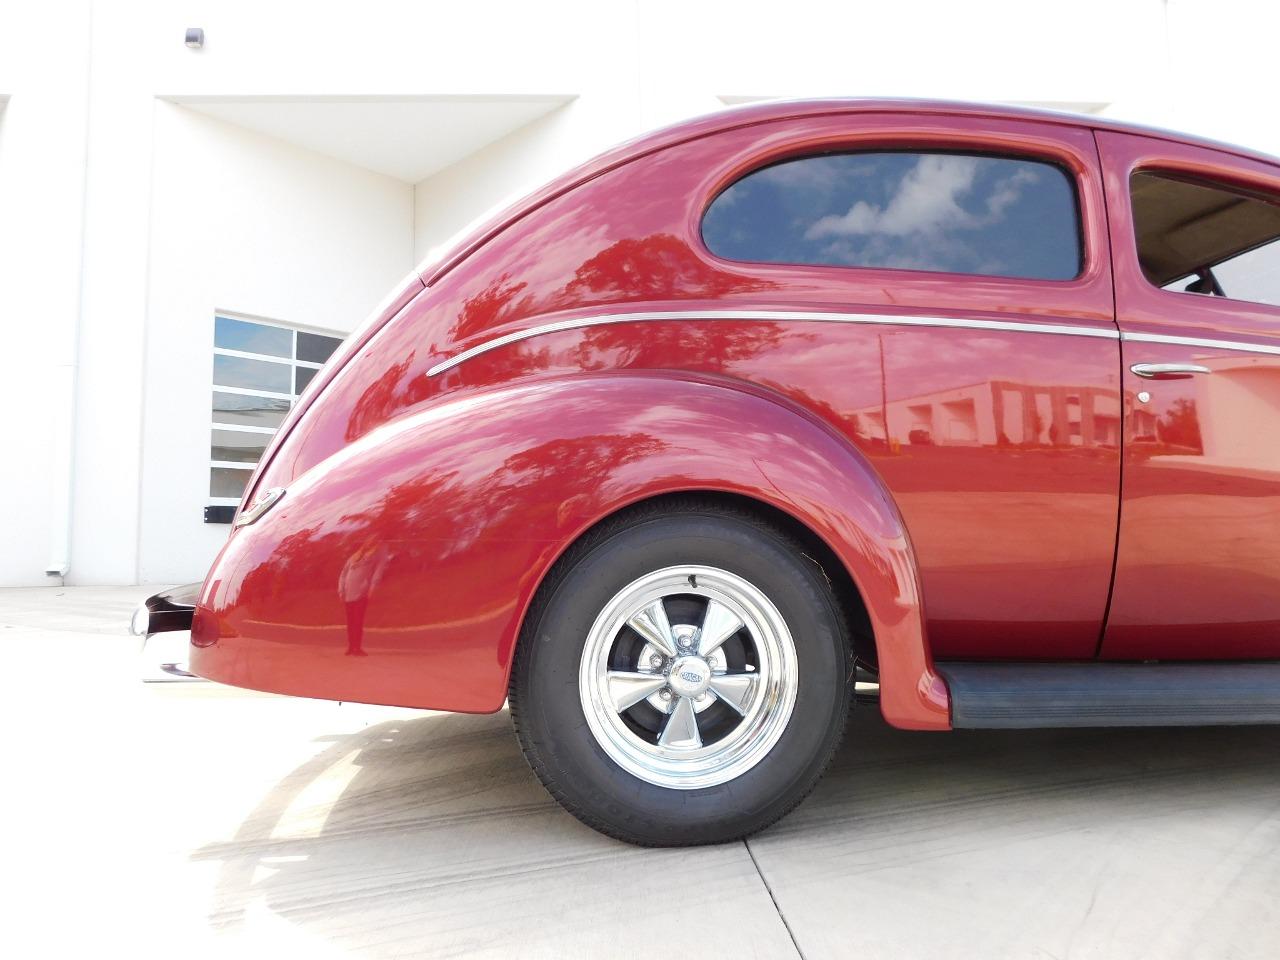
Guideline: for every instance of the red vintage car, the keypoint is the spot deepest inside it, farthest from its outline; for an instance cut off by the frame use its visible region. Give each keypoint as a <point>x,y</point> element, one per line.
<point>979,401</point>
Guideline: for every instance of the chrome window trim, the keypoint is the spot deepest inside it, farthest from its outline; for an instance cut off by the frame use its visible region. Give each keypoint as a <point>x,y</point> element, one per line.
<point>802,316</point>
<point>1201,342</point>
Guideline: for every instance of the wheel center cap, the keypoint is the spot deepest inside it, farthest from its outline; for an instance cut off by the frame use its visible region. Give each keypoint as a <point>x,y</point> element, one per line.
<point>689,676</point>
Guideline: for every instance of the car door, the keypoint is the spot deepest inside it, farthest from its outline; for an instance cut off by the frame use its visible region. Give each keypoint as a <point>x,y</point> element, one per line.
<point>1196,256</point>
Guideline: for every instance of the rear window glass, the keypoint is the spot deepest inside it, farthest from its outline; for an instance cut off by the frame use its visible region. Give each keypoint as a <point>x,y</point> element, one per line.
<point>950,212</point>
<point>1197,237</point>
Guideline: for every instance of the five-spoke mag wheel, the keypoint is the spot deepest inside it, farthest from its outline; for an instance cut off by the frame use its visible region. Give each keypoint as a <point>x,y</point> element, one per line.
<point>688,676</point>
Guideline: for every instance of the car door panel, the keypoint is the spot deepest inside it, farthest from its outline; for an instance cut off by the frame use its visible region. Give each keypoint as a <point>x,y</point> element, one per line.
<point>1198,560</point>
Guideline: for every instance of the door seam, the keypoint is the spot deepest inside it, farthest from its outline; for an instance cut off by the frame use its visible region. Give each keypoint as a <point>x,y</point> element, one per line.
<point>1124,416</point>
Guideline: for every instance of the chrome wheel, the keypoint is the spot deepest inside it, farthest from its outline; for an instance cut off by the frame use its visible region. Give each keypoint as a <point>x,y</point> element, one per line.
<point>688,677</point>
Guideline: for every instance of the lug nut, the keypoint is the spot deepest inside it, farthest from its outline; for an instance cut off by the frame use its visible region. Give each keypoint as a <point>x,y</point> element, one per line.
<point>655,661</point>
<point>664,694</point>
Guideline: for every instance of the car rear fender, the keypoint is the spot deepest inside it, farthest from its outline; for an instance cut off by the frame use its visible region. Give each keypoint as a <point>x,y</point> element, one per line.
<point>422,544</point>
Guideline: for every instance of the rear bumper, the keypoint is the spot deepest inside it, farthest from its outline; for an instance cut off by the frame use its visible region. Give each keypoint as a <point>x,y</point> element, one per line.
<point>169,610</point>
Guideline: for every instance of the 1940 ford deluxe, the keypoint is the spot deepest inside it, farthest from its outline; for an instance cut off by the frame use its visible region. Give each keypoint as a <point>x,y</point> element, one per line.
<point>980,401</point>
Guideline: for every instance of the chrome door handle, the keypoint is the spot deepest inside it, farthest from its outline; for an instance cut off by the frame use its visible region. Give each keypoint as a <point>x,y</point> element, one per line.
<point>1168,371</point>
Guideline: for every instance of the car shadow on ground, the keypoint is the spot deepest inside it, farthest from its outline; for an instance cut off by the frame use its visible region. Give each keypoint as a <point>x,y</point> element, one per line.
<point>432,837</point>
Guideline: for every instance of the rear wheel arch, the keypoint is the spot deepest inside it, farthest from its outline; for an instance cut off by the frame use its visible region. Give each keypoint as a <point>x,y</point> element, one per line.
<point>797,468</point>
<point>812,547</point>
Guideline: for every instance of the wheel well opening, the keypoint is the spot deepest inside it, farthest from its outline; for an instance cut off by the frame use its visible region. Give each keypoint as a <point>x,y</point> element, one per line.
<point>814,549</point>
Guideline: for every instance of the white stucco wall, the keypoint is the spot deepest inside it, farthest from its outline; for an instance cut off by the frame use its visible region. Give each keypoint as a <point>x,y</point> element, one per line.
<point>44,85</point>
<point>446,204</point>
<point>245,224</point>
<point>127,219</point>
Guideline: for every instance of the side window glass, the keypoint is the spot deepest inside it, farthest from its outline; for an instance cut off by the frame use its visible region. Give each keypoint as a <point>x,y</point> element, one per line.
<point>1207,239</point>
<point>949,212</point>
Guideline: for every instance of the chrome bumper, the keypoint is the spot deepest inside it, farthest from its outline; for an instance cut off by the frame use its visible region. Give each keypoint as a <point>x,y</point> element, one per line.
<point>170,610</point>
<point>167,612</point>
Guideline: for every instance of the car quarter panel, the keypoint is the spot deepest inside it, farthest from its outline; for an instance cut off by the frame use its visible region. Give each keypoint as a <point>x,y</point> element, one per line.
<point>1011,503</point>
<point>400,570</point>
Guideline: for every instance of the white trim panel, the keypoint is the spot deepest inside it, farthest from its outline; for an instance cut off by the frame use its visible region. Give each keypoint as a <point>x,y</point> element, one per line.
<point>884,319</point>
<point>266,357</point>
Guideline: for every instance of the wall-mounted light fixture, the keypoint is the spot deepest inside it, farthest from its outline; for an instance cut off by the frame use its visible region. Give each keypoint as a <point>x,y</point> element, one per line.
<point>195,37</point>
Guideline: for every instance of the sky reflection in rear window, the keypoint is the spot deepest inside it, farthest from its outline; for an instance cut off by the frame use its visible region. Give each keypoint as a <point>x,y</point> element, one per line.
<point>956,213</point>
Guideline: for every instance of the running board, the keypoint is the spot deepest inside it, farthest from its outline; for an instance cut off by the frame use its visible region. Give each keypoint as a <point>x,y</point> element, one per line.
<point>1024,695</point>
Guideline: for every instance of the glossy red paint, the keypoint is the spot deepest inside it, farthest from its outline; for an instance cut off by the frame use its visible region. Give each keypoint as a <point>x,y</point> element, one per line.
<point>994,538</point>
<point>423,511</point>
<point>1198,569</point>
<point>391,305</point>
<point>369,591</point>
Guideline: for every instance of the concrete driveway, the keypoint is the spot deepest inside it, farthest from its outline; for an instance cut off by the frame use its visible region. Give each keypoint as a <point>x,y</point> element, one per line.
<point>197,820</point>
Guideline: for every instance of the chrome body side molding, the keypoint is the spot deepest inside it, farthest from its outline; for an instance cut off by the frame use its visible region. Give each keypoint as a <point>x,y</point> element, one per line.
<point>1201,342</point>
<point>799,316</point>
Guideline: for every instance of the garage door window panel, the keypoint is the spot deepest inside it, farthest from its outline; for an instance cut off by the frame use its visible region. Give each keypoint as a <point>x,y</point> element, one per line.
<point>259,371</point>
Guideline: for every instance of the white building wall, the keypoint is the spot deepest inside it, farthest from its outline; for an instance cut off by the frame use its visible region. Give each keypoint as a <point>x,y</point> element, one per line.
<point>458,197</point>
<point>126,220</point>
<point>245,224</point>
<point>107,453</point>
<point>43,108</point>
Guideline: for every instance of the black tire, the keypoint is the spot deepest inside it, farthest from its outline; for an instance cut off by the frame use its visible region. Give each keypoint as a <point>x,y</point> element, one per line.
<point>544,693</point>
